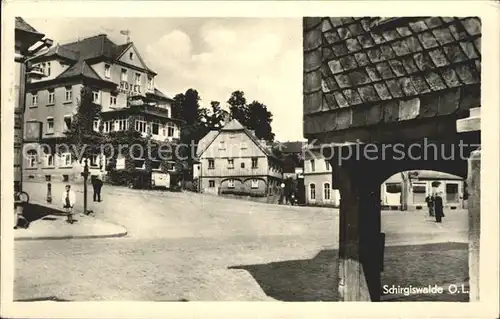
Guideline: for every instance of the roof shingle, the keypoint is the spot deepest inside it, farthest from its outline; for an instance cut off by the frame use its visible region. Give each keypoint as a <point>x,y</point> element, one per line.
<point>418,55</point>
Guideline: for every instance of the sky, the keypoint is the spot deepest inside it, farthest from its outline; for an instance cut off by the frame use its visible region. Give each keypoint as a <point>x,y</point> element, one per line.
<point>216,56</point>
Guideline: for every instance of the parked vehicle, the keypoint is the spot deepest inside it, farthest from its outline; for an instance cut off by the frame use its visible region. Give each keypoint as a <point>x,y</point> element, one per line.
<point>160,179</point>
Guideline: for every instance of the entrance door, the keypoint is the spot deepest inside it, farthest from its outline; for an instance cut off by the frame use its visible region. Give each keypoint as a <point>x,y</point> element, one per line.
<point>452,193</point>
<point>419,191</point>
<point>301,191</point>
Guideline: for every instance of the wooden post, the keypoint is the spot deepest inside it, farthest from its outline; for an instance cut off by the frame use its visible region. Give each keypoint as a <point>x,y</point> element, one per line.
<point>473,124</point>
<point>359,241</point>
<point>474,202</point>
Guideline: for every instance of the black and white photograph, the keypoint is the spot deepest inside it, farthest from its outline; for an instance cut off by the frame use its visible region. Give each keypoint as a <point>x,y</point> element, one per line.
<point>310,158</point>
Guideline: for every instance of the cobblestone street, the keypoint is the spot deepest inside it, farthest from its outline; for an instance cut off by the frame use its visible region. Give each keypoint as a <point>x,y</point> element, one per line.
<point>186,246</point>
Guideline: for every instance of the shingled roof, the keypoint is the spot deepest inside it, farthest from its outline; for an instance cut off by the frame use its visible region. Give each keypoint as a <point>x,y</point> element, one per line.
<point>80,68</point>
<point>366,71</point>
<point>366,65</point>
<point>82,51</point>
<point>233,126</point>
<point>24,26</point>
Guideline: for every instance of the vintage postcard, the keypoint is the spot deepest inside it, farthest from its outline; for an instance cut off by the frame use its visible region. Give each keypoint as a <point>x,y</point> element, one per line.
<point>313,153</point>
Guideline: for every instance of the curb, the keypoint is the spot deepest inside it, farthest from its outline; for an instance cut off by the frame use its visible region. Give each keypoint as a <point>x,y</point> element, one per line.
<point>115,235</point>
<point>121,233</point>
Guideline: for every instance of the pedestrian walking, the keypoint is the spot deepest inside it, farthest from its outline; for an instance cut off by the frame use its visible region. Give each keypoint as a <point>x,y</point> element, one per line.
<point>282,193</point>
<point>430,205</point>
<point>97,185</point>
<point>69,200</point>
<point>438,207</point>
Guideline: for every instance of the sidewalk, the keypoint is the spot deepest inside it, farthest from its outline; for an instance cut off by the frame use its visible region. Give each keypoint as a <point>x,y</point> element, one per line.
<point>49,222</point>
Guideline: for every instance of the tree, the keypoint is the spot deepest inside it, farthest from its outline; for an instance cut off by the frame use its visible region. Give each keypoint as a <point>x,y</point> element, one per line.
<point>191,106</point>
<point>259,119</point>
<point>82,139</point>
<point>214,118</point>
<point>238,107</point>
<point>253,116</point>
<point>177,106</point>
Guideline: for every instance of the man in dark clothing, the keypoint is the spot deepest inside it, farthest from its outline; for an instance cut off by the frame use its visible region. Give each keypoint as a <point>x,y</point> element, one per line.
<point>438,207</point>
<point>97,185</point>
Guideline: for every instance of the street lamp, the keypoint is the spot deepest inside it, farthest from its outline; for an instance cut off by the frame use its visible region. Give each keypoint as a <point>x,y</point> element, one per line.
<point>85,175</point>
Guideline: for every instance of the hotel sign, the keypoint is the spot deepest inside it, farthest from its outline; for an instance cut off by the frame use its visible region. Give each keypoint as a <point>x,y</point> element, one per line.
<point>129,88</point>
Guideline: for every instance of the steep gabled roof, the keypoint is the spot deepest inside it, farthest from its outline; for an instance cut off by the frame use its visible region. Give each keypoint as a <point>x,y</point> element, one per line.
<point>159,94</point>
<point>59,51</point>
<point>94,47</point>
<point>233,125</point>
<point>205,142</point>
<point>99,46</point>
<point>25,26</point>
<point>125,48</point>
<point>80,68</point>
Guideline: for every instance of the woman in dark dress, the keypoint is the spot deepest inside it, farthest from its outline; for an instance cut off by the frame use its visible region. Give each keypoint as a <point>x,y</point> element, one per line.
<point>438,207</point>
<point>430,205</point>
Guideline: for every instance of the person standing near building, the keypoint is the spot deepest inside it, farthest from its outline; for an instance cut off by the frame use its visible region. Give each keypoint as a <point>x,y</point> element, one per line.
<point>430,204</point>
<point>438,207</point>
<point>282,193</point>
<point>97,185</point>
<point>69,199</point>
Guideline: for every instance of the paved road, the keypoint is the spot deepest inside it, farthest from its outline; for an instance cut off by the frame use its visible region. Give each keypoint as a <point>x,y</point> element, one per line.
<point>190,246</point>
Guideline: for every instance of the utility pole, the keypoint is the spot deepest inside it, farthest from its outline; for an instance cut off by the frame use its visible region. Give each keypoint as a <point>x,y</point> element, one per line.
<point>85,175</point>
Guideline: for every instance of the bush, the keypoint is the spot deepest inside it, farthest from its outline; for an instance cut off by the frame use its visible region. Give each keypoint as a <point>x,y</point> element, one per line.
<point>132,179</point>
<point>191,186</point>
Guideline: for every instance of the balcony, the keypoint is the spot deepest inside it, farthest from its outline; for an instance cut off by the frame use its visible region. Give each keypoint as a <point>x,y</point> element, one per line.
<point>36,72</point>
<point>152,109</point>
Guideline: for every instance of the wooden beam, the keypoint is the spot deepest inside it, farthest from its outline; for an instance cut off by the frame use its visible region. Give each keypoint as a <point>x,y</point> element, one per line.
<point>436,127</point>
<point>471,123</point>
<point>360,249</point>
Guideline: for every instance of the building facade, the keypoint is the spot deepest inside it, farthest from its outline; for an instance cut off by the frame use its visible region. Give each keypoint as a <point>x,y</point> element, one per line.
<point>292,154</point>
<point>233,161</point>
<point>318,178</point>
<point>25,37</point>
<point>121,83</point>
<point>421,184</point>
<point>404,190</point>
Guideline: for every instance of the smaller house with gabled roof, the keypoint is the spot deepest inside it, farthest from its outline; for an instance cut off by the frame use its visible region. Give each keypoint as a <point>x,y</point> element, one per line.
<point>233,160</point>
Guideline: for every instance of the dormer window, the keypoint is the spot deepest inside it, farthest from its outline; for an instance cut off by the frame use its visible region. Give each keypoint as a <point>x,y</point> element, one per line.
<point>107,71</point>
<point>131,55</point>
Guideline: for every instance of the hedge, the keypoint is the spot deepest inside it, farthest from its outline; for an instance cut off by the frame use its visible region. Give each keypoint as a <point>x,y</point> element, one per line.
<point>134,178</point>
